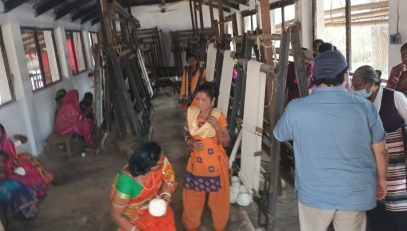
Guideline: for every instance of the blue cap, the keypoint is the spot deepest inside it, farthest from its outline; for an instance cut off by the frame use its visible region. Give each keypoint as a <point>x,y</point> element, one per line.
<point>329,64</point>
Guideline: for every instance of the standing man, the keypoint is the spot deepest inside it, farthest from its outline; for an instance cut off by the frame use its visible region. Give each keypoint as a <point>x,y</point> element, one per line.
<point>340,155</point>
<point>192,77</point>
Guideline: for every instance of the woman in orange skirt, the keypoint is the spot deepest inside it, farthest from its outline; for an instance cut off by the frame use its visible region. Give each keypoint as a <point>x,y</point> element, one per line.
<point>207,169</point>
<point>147,176</point>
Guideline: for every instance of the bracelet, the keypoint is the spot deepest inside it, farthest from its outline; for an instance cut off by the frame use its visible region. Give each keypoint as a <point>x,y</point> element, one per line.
<point>133,228</point>
<point>187,138</point>
<point>166,193</point>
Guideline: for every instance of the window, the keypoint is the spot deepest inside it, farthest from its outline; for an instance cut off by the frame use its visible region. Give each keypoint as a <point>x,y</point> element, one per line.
<point>6,92</point>
<point>370,33</point>
<point>249,21</point>
<point>289,17</point>
<point>77,61</point>
<point>93,38</point>
<point>41,57</point>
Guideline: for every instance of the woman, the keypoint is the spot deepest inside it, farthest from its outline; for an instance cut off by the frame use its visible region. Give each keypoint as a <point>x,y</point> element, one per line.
<point>192,77</point>
<point>207,169</point>
<point>398,74</point>
<point>19,200</point>
<point>71,120</point>
<point>147,176</point>
<point>33,174</point>
<point>391,214</point>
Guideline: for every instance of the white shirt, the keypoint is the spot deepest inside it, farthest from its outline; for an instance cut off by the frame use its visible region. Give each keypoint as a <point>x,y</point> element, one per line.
<point>400,101</point>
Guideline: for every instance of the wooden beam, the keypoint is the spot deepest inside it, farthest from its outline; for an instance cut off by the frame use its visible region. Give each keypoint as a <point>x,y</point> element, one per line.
<point>11,4</point>
<point>90,16</point>
<point>201,14</point>
<point>45,6</point>
<point>230,4</point>
<point>281,4</point>
<point>82,13</point>
<point>192,15</point>
<point>265,16</point>
<point>211,14</point>
<point>225,9</point>
<point>366,6</point>
<point>348,26</point>
<point>68,8</point>
<point>221,24</point>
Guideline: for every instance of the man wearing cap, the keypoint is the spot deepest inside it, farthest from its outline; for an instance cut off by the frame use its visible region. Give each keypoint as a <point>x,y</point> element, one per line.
<point>340,156</point>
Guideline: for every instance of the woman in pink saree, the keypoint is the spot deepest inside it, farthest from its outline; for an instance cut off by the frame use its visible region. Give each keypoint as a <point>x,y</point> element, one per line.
<point>71,120</point>
<point>34,175</point>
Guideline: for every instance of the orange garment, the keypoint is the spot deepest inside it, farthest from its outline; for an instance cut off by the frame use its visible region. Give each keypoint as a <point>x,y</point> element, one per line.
<point>194,82</point>
<point>137,208</point>
<point>207,172</point>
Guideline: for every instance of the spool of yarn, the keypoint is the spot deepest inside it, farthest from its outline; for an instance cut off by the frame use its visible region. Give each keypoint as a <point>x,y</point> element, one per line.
<point>235,179</point>
<point>233,196</point>
<point>244,199</point>
<point>157,207</point>
<point>243,189</point>
<point>235,188</point>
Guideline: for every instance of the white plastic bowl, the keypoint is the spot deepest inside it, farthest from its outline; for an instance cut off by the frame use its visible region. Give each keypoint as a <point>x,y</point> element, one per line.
<point>157,207</point>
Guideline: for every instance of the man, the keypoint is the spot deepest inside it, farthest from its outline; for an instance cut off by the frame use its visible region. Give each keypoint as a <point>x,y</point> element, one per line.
<point>192,77</point>
<point>340,155</point>
<point>315,46</point>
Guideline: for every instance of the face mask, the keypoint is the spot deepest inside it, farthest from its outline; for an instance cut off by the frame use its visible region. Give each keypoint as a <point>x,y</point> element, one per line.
<point>363,93</point>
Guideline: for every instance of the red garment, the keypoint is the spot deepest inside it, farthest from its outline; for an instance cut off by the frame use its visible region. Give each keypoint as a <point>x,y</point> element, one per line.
<point>36,177</point>
<point>69,119</point>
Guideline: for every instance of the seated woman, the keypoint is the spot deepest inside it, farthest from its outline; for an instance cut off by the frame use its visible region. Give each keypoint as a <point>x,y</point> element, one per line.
<point>18,199</point>
<point>71,120</point>
<point>390,214</point>
<point>33,176</point>
<point>147,175</point>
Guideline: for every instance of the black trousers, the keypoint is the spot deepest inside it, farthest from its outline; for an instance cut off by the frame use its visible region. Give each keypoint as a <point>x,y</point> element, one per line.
<point>379,219</point>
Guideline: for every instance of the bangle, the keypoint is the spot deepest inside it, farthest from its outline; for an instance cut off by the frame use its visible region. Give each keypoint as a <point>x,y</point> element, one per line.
<point>166,193</point>
<point>187,138</point>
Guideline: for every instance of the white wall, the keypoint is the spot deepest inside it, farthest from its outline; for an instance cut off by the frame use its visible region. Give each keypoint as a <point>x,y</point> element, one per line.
<point>32,113</point>
<point>394,49</point>
<point>180,19</point>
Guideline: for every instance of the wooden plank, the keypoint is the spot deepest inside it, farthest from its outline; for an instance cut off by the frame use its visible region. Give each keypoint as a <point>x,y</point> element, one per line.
<point>275,146</point>
<point>299,62</point>
<point>265,17</point>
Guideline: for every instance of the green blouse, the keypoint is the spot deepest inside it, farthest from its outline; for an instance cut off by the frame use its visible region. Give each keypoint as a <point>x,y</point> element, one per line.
<point>127,186</point>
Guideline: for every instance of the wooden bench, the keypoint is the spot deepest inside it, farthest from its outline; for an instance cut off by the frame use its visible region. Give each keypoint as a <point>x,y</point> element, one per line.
<point>53,142</point>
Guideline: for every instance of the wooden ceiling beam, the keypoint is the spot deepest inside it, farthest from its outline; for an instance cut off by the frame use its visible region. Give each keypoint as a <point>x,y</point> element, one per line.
<point>11,4</point>
<point>68,8</point>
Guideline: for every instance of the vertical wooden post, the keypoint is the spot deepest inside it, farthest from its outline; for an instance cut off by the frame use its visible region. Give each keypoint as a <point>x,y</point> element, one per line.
<point>195,16</point>
<point>211,14</point>
<point>221,19</point>
<point>265,18</point>
<point>201,15</point>
<point>192,15</point>
<point>348,32</point>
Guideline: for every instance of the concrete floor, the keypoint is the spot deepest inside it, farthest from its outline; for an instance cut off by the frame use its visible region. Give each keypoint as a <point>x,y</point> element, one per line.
<point>80,200</point>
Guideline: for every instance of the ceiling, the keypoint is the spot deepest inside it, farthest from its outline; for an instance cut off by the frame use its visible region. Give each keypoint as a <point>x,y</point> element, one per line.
<point>87,10</point>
